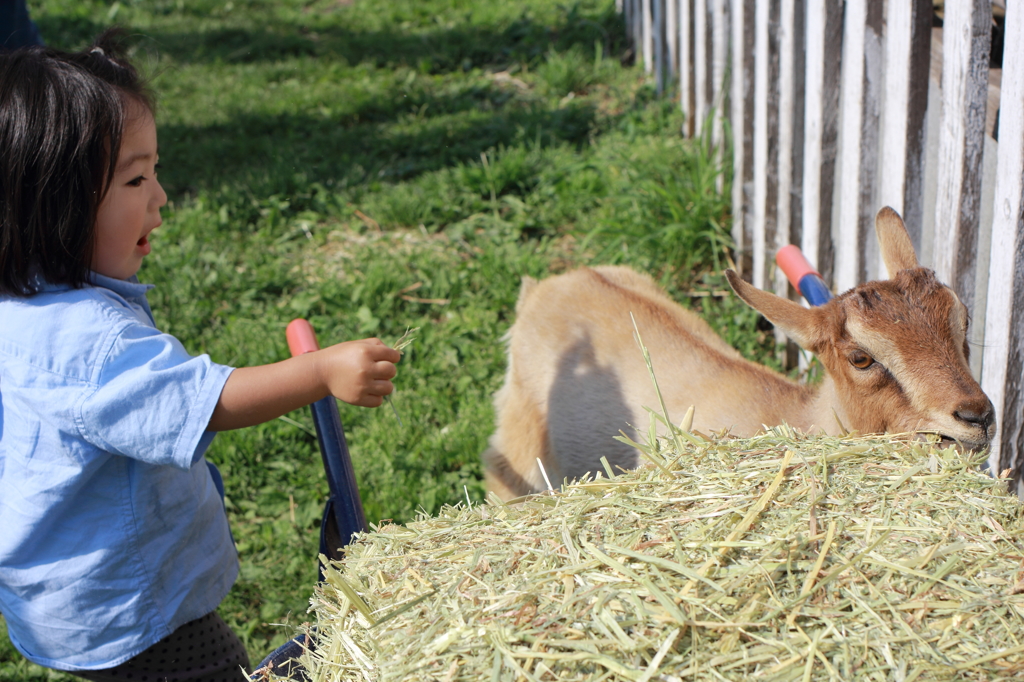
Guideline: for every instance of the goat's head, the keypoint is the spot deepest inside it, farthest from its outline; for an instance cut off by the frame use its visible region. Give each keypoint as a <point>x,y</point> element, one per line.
<point>896,349</point>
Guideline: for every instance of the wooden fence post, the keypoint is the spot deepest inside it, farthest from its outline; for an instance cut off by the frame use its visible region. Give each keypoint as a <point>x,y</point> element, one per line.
<point>671,38</point>
<point>686,90</point>
<point>786,117</point>
<point>719,61</point>
<point>637,33</point>
<point>799,69</point>
<point>858,146</point>
<point>766,135</point>
<point>700,64</point>
<point>742,119</point>
<point>647,41</point>
<point>1002,376</point>
<point>658,32</point>
<point>821,124</point>
<point>966,37</point>
<point>907,52</point>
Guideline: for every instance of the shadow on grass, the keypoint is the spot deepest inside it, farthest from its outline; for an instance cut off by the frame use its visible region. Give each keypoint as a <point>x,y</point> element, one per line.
<point>264,154</point>
<point>431,51</point>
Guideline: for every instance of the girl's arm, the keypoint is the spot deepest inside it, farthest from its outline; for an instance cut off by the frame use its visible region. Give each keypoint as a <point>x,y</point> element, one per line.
<point>358,372</point>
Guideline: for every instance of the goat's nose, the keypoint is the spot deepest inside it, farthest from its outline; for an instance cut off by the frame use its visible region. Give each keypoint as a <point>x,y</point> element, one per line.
<point>976,412</point>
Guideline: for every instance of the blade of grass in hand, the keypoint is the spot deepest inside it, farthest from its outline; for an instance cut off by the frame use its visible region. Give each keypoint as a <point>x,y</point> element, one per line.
<point>400,345</point>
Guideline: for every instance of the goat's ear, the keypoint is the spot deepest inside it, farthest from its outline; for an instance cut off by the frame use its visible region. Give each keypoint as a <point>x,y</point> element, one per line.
<point>799,323</point>
<point>894,242</point>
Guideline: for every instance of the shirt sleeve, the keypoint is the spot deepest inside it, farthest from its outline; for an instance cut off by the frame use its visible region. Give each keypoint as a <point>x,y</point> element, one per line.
<point>152,400</point>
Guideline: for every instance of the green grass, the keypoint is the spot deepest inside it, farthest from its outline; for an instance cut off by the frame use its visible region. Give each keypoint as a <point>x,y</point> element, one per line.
<point>375,166</point>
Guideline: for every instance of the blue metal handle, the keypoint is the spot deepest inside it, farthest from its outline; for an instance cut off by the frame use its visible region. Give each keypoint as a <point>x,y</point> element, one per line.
<point>343,513</point>
<point>813,288</point>
<point>347,506</point>
<point>802,275</point>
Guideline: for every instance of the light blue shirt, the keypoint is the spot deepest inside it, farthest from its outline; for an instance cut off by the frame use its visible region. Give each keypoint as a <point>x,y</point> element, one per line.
<point>112,533</point>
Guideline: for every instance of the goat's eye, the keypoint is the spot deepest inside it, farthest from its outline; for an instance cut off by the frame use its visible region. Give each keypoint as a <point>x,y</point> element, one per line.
<point>861,360</point>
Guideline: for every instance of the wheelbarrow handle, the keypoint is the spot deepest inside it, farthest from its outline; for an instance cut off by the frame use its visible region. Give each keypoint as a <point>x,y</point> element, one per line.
<point>344,508</point>
<point>343,513</point>
<point>301,337</point>
<point>802,275</point>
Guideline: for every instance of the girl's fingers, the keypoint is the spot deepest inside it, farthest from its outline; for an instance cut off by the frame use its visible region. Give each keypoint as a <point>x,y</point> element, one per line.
<point>380,388</point>
<point>384,370</point>
<point>370,401</point>
<point>380,351</point>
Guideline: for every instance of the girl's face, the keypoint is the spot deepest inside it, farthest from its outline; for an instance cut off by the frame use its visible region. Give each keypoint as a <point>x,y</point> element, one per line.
<point>131,208</point>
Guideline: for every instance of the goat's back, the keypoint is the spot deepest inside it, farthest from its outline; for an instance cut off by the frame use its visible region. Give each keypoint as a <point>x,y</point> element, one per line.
<point>576,377</point>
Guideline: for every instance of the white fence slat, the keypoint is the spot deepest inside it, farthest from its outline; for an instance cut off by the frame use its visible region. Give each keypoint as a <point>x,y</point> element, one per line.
<point>700,61</point>
<point>671,38</point>
<point>857,181</point>
<point>869,140</point>
<point>771,167</point>
<point>622,6</point>
<point>658,31</point>
<point>742,114</point>
<point>813,114</point>
<point>899,24</point>
<point>761,141</point>
<point>917,115</point>
<point>739,137</point>
<point>799,76</point>
<point>719,62</point>
<point>966,36</point>
<point>686,67</point>
<point>1004,328</point>
<point>902,146</point>
<point>794,355</point>
<point>709,85</point>
<point>835,31</point>
<point>907,43</point>
<point>637,28</point>
<point>630,25</point>
<point>785,88</point>
<point>847,268</point>
<point>648,35</point>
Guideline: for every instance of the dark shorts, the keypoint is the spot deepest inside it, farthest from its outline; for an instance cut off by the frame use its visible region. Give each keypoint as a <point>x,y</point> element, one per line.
<point>205,650</point>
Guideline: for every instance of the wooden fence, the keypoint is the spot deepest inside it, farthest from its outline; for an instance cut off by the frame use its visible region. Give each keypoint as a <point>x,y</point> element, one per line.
<point>839,108</point>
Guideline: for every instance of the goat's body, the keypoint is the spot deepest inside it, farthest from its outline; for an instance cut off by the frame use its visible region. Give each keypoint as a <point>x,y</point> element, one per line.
<point>577,377</point>
<point>894,353</point>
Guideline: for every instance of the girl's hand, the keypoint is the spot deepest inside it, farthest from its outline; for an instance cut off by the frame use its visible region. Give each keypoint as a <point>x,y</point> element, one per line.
<point>358,372</point>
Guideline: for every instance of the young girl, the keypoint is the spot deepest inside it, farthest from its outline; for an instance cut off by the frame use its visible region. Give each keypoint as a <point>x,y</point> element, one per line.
<point>115,549</point>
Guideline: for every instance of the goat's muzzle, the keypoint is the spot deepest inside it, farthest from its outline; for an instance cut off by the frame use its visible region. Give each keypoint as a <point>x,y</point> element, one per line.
<point>977,417</point>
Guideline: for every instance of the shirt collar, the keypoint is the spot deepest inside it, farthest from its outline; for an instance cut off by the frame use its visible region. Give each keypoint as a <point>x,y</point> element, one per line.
<point>131,290</point>
<point>128,289</point>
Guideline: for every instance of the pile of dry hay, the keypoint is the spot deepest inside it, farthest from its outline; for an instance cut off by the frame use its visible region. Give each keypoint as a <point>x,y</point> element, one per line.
<point>780,557</point>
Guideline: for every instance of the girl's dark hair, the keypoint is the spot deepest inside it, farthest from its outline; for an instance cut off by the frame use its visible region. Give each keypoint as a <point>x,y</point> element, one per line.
<point>62,116</point>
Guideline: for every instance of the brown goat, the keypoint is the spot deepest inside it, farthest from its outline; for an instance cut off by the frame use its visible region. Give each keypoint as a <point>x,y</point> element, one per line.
<point>894,352</point>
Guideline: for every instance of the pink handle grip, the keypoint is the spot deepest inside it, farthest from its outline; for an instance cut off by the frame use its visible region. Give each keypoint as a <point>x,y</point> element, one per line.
<point>301,337</point>
<point>792,261</point>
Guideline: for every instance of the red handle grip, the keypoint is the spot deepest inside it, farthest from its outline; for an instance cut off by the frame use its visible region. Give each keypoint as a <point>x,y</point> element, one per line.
<point>301,337</point>
<point>793,262</point>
